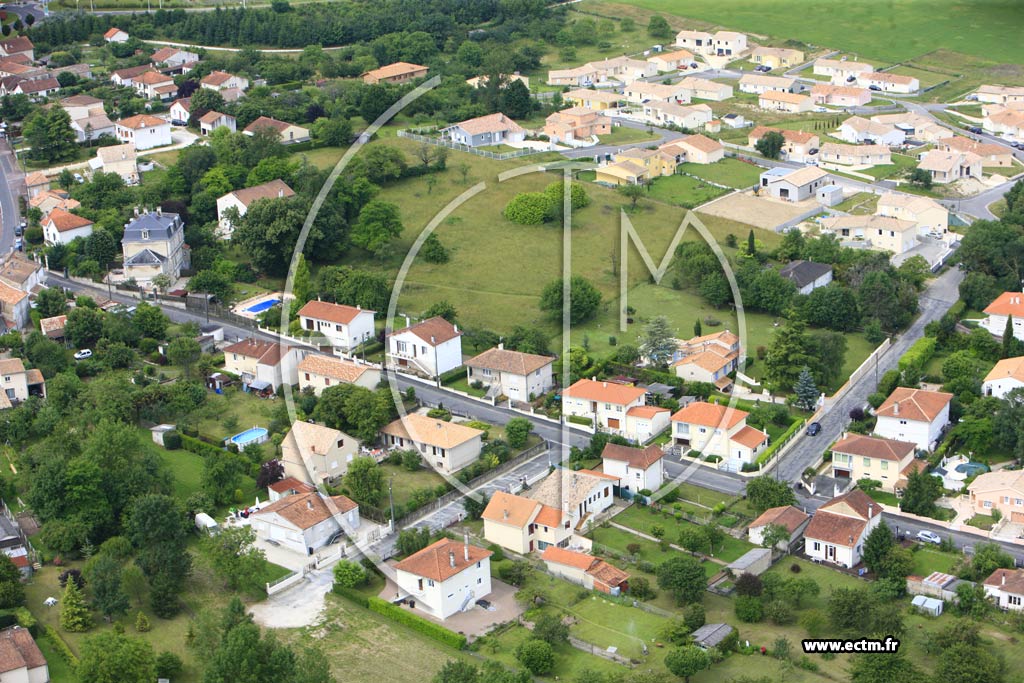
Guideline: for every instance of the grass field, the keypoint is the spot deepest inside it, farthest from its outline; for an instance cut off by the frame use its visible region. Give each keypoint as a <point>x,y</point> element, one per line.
<point>622,135</point>
<point>859,204</point>
<point>404,482</point>
<point>731,172</point>
<point>927,561</point>
<point>904,31</point>
<point>901,163</point>
<point>683,191</point>
<point>642,519</point>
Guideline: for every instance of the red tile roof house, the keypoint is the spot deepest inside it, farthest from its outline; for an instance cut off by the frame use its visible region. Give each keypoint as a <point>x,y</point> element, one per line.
<point>615,408</point>
<point>791,518</point>
<point>445,578</point>
<point>520,376</point>
<point>714,429</point>
<point>239,200</point>
<point>306,522</point>
<point>914,415</point>
<point>856,457</point>
<point>638,469</point>
<point>586,570</point>
<point>431,347</point>
<point>1006,588</point>
<point>62,227</point>
<point>999,311</point>
<point>263,366</point>
<point>343,328</point>
<point>837,531</point>
<point>20,658</point>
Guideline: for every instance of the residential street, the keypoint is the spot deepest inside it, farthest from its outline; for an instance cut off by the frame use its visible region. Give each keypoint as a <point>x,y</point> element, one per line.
<point>941,294</point>
<point>11,182</point>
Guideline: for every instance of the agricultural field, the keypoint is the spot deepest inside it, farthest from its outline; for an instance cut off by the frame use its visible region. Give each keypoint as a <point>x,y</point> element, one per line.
<point>981,29</point>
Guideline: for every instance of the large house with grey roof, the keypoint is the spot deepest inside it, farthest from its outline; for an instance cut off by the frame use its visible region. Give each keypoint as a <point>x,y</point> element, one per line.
<point>154,244</point>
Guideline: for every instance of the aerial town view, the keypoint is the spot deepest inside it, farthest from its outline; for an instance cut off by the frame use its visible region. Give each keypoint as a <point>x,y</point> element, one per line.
<point>500,341</point>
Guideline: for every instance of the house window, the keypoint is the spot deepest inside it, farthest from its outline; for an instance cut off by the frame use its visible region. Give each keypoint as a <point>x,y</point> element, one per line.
<point>7,378</point>
<point>400,346</point>
<point>817,546</point>
<point>341,443</point>
<point>1018,502</point>
<point>430,582</point>
<point>867,462</point>
<point>885,464</point>
<point>478,565</point>
<point>1006,500</point>
<point>419,584</point>
<point>145,234</point>
<point>307,376</point>
<point>987,503</point>
<point>327,381</point>
<point>1013,600</point>
<point>903,422</point>
<point>479,581</point>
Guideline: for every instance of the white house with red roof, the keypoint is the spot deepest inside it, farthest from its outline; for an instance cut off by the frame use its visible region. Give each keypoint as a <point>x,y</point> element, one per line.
<point>1006,588</point>
<point>63,227</point>
<point>714,429</point>
<point>614,408</point>
<point>914,415</point>
<point>222,80</point>
<point>445,578</point>
<point>239,200</point>
<point>520,376</point>
<point>343,328</point>
<point>431,347</point>
<point>306,522</point>
<point>636,468</point>
<point>181,111</point>
<point>837,531</point>
<point>144,130</point>
<point>319,371</point>
<point>789,517</point>
<point>586,570</point>
<point>492,129</point>
<point>115,35</point>
<point>289,486</point>
<point>999,312</point>
<point>263,366</point>
<point>1007,375</point>
<point>708,358</point>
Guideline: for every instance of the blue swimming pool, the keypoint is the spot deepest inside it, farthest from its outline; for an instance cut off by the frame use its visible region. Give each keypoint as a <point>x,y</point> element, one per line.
<point>254,435</point>
<point>971,468</point>
<point>263,305</point>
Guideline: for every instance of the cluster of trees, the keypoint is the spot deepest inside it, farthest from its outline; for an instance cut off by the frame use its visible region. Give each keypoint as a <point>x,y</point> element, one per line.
<point>534,208</point>
<point>772,597</point>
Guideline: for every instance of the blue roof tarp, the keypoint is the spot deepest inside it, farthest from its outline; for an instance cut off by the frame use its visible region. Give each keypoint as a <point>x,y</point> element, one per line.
<point>260,385</point>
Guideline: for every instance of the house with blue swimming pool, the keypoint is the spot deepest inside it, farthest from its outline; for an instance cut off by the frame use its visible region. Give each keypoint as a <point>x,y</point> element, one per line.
<point>915,415</point>
<point>263,366</point>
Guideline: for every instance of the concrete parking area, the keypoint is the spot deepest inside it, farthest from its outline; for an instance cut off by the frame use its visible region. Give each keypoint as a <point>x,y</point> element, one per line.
<point>475,621</point>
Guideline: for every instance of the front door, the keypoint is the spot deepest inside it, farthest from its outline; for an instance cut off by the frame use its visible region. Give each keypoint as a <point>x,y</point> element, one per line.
<point>830,553</point>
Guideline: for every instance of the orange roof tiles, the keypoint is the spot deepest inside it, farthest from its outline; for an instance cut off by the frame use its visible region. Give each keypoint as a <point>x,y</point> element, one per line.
<point>914,404</point>
<point>607,392</point>
<point>443,559</point>
<point>324,310</point>
<point>710,415</point>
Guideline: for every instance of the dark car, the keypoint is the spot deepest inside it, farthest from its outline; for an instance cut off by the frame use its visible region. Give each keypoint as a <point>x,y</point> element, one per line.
<point>875,88</point>
<point>813,429</point>
<point>767,68</point>
<point>975,130</point>
<point>812,151</point>
<point>693,65</point>
<point>851,79</point>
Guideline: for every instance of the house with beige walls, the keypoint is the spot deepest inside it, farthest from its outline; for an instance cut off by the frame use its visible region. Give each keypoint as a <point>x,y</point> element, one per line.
<point>445,446</point>
<point>315,454</point>
<point>319,371</point>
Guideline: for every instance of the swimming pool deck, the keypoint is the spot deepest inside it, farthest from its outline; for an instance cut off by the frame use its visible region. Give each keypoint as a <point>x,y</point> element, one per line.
<point>242,307</point>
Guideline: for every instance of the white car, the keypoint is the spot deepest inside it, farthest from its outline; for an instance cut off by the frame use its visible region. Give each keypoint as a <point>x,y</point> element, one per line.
<point>79,179</point>
<point>929,537</point>
<point>83,354</point>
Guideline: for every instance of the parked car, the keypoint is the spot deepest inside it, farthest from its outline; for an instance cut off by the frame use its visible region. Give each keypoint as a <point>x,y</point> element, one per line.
<point>975,130</point>
<point>79,179</point>
<point>813,429</point>
<point>83,354</point>
<point>18,231</point>
<point>18,244</point>
<point>693,65</point>
<point>767,68</point>
<point>812,151</point>
<point>874,87</point>
<point>851,79</point>
<point>928,537</point>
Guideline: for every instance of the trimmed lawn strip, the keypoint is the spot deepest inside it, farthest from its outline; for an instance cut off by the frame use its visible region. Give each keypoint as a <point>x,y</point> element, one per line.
<point>731,172</point>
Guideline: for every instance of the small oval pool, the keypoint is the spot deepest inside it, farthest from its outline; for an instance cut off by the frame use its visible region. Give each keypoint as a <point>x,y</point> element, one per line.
<point>971,468</point>
<point>254,435</point>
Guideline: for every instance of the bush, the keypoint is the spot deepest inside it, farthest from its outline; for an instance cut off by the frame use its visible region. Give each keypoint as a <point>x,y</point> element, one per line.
<point>352,595</point>
<point>168,665</point>
<point>580,420</point>
<point>577,195</point>
<point>537,656</point>
<point>193,445</point>
<point>172,441</point>
<point>142,623</point>
<point>780,613</point>
<point>749,609</point>
<point>417,623</point>
<point>528,208</point>
<point>348,574</point>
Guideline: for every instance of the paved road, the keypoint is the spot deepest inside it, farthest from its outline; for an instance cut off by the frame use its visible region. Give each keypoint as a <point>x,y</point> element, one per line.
<point>934,302</point>
<point>12,182</point>
<point>663,135</point>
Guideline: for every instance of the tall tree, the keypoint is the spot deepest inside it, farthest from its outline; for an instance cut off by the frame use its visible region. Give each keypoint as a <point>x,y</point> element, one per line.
<point>657,342</point>
<point>764,492</point>
<point>50,136</point>
<point>877,547</point>
<point>378,226</point>
<point>770,145</point>
<point>584,299</point>
<point>805,389</point>
<point>687,661</point>
<point>108,593</point>
<point>684,576</point>
<point>75,615</point>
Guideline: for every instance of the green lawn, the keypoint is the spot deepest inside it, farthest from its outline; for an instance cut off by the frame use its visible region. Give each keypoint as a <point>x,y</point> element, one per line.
<point>982,522</point>
<point>684,191</point>
<point>904,31</point>
<point>569,662</point>
<point>885,497</point>
<point>859,204</point>
<point>246,409</point>
<point>60,670</point>
<point>927,560</point>
<point>900,164</point>
<point>641,519</point>
<point>703,496</point>
<point>404,482</point>
<point>462,384</point>
<point>731,172</point>
<point>623,135</point>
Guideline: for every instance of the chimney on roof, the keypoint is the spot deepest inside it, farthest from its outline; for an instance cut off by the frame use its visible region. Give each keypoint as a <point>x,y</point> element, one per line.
<point>433,340</point>
<point>159,212</point>
<point>455,326</point>
<point>504,513</point>
<point>280,193</point>
<point>1003,579</point>
<point>896,408</point>
<point>451,558</point>
<point>309,504</point>
<point>465,546</point>
<point>871,510</point>
<point>136,212</point>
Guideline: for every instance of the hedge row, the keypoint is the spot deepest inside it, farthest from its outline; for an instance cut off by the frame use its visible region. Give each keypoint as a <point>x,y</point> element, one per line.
<point>580,420</point>
<point>918,355</point>
<point>352,594</point>
<point>763,458</point>
<point>198,447</point>
<point>416,623</point>
<point>62,648</point>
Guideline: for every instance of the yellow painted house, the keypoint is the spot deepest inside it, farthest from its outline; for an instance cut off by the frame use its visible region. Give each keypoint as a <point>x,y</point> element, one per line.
<point>598,100</point>
<point>633,166</point>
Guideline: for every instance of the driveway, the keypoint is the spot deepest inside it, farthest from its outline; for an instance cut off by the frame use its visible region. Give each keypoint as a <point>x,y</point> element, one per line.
<point>761,212</point>
<point>298,606</point>
<point>475,621</point>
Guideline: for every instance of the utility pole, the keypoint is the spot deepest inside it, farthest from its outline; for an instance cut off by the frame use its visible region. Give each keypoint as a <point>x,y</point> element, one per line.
<point>391,501</point>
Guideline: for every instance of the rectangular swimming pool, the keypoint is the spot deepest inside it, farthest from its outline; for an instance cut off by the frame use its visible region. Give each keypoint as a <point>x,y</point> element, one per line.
<point>263,305</point>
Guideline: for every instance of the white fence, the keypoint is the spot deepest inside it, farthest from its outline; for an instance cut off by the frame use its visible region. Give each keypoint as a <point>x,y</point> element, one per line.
<point>285,582</point>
